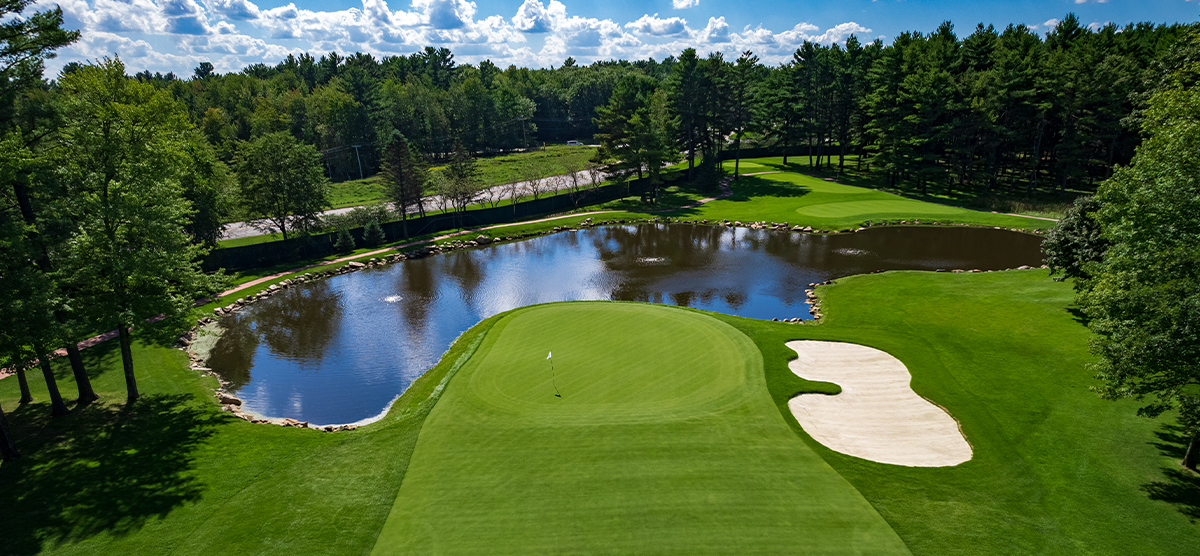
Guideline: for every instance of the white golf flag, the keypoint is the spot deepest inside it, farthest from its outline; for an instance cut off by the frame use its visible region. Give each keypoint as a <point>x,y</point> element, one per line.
<point>548,354</point>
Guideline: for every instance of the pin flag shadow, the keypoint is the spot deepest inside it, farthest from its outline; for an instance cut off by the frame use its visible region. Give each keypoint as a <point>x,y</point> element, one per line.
<point>553,380</point>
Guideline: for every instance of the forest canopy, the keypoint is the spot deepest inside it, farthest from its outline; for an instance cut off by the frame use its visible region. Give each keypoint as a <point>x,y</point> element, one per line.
<point>993,108</point>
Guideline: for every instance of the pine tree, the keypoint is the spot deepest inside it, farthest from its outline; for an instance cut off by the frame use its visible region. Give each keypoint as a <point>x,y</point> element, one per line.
<point>344,243</point>
<point>373,233</point>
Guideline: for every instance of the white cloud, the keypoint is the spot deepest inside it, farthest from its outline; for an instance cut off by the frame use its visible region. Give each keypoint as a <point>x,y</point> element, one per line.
<point>242,10</point>
<point>684,4</point>
<point>652,25</point>
<point>717,31</point>
<point>533,17</point>
<point>175,35</point>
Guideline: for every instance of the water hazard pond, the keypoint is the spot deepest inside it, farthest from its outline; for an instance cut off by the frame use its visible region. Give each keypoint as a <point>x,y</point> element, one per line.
<point>338,350</point>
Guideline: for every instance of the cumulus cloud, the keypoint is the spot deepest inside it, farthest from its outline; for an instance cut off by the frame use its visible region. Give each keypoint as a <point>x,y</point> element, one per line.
<point>652,25</point>
<point>717,31</point>
<point>233,33</point>
<point>446,14</point>
<point>533,17</point>
<point>242,10</point>
<point>684,4</point>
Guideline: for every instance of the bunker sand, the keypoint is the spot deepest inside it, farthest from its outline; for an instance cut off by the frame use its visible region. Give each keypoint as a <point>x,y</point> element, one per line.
<point>877,416</point>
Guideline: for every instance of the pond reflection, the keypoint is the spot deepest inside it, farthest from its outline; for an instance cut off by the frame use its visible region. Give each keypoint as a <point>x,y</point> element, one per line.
<point>338,350</point>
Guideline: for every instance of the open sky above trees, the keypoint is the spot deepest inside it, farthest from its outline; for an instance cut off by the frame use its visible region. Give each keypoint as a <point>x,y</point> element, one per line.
<point>176,35</point>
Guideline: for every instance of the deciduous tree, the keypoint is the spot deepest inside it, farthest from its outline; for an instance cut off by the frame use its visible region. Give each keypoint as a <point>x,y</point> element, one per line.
<point>282,182</point>
<point>119,158</point>
<point>1144,303</point>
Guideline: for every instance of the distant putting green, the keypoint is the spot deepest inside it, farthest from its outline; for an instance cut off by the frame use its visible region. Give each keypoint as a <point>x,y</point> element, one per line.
<point>665,439</point>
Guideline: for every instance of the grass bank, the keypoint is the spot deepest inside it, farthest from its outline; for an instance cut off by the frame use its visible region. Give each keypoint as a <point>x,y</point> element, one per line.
<point>496,170</point>
<point>1056,470</point>
<point>174,474</point>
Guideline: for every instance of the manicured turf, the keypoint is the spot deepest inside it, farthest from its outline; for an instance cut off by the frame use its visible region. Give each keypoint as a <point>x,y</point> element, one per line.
<point>809,201</point>
<point>1056,470</point>
<point>177,476</point>
<point>664,441</point>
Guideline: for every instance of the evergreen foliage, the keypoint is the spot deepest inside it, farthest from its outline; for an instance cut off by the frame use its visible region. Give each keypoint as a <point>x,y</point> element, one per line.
<point>344,243</point>
<point>373,234</point>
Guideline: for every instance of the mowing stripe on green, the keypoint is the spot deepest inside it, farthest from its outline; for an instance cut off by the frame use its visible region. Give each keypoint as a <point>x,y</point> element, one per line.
<point>665,440</point>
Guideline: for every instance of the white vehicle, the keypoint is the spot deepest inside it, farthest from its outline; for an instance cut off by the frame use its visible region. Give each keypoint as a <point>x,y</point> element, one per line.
<point>574,144</point>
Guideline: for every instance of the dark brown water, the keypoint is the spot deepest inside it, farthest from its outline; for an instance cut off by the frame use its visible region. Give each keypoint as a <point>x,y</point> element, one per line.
<point>338,350</point>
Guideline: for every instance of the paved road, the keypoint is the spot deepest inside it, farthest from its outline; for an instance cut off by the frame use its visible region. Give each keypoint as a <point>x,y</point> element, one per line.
<point>503,192</point>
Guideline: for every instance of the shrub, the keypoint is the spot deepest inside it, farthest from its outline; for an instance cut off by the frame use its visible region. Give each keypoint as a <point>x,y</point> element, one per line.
<point>373,234</point>
<point>344,242</point>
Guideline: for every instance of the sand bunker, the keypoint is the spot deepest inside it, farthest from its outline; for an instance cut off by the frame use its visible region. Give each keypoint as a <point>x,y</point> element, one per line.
<point>877,416</point>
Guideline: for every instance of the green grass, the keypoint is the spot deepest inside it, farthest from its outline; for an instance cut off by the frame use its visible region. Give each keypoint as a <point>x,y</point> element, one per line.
<point>174,475</point>
<point>492,171</point>
<point>806,200</point>
<point>1005,198</point>
<point>664,440</point>
<point>353,193</point>
<point>1056,470</point>
<point>553,161</point>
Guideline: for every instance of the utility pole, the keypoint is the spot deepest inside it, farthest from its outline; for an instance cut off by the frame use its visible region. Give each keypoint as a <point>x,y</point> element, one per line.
<point>360,172</point>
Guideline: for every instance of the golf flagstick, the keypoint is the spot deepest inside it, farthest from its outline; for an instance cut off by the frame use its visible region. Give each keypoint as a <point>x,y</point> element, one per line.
<point>553,380</point>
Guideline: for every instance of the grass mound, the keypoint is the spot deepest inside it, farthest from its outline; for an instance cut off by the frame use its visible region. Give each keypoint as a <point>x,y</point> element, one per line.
<point>664,440</point>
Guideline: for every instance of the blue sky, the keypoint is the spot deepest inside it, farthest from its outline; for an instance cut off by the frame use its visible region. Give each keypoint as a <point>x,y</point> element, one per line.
<point>175,35</point>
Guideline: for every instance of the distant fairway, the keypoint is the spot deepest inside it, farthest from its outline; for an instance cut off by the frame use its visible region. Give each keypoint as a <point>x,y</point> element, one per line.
<point>789,196</point>
<point>877,209</point>
<point>665,440</point>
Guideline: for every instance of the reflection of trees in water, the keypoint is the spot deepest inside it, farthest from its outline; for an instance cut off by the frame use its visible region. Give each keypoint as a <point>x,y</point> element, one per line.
<point>233,354</point>
<point>677,258</point>
<point>464,268</point>
<point>418,289</point>
<point>301,323</point>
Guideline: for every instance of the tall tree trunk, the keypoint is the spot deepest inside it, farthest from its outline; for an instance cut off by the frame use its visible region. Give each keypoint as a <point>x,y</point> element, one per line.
<point>1192,457</point>
<point>127,362</point>
<point>57,407</point>
<point>8,447</point>
<point>23,381</point>
<point>82,382</point>
<point>737,158</point>
<point>1037,158</point>
<point>691,154</point>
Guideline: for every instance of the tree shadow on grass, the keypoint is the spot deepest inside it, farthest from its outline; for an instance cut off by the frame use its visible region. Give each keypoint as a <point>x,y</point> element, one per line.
<point>104,469</point>
<point>1179,486</point>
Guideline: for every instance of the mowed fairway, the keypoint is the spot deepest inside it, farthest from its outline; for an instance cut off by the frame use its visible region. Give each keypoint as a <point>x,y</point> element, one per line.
<point>665,440</point>
<point>784,196</point>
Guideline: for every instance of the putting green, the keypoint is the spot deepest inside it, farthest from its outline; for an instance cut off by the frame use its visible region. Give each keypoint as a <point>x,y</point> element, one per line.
<point>867,209</point>
<point>665,439</point>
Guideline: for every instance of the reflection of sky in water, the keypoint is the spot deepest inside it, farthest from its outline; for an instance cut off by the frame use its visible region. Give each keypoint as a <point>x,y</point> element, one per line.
<point>337,350</point>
